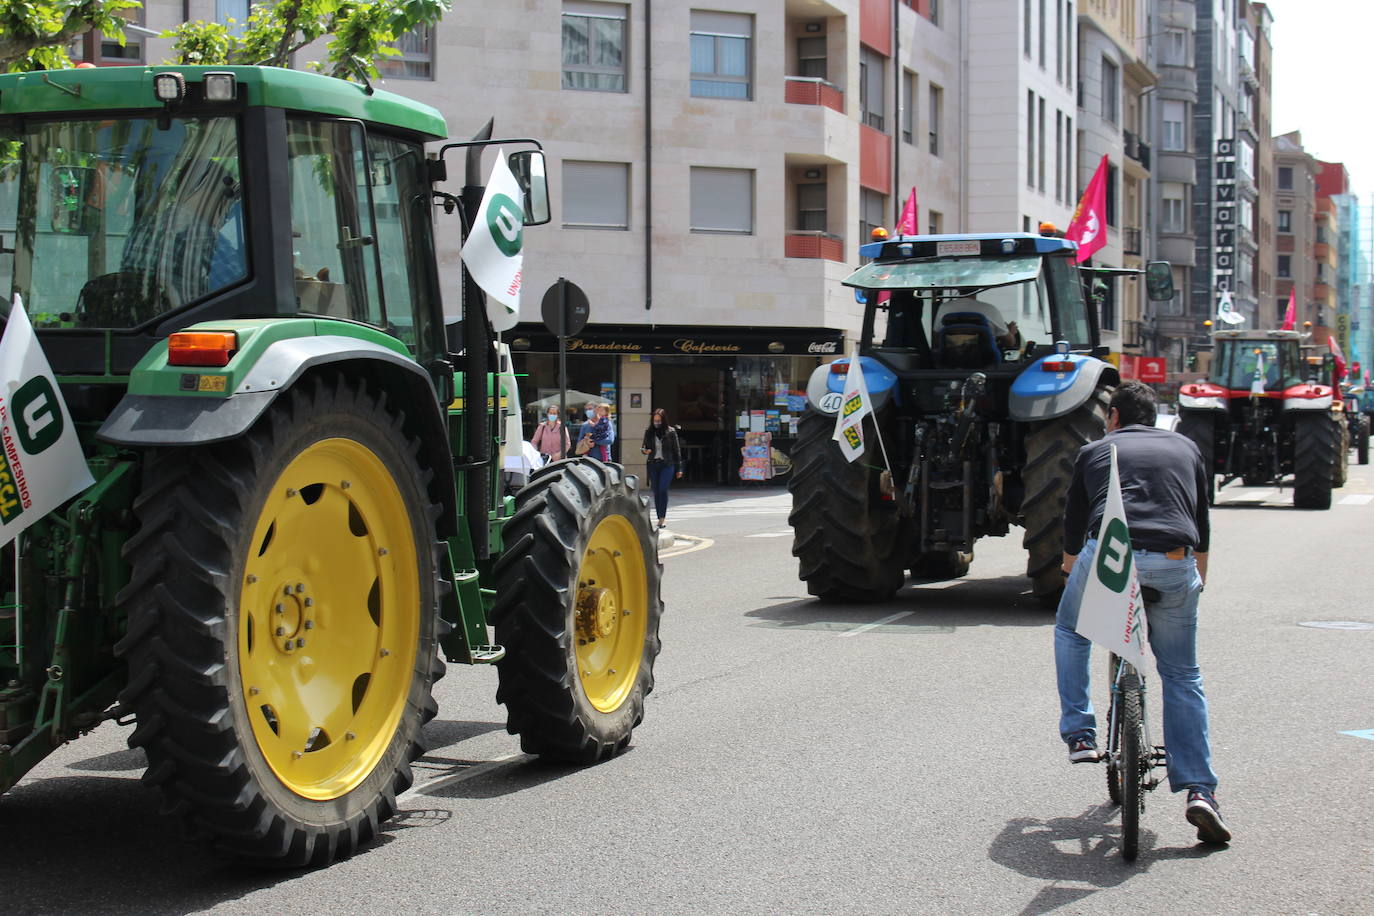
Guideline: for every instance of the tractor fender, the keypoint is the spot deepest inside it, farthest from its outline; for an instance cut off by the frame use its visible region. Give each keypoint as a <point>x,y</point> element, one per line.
<point>1041,394</point>
<point>1308,397</point>
<point>176,420</point>
<point>1202,396</point>
<point>825,387</point>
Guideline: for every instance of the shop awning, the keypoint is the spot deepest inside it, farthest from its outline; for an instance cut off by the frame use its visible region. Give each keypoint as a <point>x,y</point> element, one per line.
<point>681,340</point>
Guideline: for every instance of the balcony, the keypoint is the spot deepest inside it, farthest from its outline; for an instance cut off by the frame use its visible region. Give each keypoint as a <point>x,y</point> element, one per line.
<point>801,243</point>
<point>1130,240</point>
<point>1247,73</point>
<point>810,90</point>
<point>1136,148</point>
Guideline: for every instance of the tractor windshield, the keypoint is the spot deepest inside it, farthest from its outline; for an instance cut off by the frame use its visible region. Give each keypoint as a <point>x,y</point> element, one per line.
<point>1239,362</point>
<point>112,223</point>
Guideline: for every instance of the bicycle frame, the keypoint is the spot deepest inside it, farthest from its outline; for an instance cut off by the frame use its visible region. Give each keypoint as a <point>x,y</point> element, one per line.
<point>1120,669</point>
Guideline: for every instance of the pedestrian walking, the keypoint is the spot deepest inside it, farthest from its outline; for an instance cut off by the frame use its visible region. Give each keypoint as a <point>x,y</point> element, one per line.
<point>665,460</point>
<point>597,432</point>
<point>1164,490</point>
<point>551,437</point>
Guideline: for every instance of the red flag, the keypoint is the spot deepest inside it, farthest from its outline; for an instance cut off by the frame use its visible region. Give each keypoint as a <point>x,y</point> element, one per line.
<point>1089,225</point>
<point>1290,317</point>
<point>907,224</point>
<point>1340,357</point>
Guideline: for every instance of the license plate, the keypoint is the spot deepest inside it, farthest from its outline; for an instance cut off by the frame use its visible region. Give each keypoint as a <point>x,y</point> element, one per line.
<point>957,248</point>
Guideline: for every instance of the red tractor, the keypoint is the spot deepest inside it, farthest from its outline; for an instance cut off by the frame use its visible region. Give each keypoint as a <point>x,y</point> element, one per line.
<point>1267,412</point>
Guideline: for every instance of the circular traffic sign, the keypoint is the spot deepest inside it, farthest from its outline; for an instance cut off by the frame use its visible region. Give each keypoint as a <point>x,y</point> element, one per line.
<point>576,308</point>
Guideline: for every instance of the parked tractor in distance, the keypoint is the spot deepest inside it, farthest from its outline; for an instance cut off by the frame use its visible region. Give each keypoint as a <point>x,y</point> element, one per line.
<point>980,355</point>
<point>297,503</point>
<point>1265,413</point>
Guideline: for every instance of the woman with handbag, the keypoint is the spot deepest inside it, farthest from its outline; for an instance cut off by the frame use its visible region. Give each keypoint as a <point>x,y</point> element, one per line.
<point>665,460</point>
<point>551,437</point>
<point>597,433</point>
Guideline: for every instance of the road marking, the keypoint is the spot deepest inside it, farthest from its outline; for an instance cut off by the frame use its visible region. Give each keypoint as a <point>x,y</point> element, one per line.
<point>891,618</point>
<point>1365,733</point>
<point>1357,499</point>
<point>946,583</point>
<point>770,534</point>
<point>1337,624</point>
<point>461,776</point>
<point>695,544</point>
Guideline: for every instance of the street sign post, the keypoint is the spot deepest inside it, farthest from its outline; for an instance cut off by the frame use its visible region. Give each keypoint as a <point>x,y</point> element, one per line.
<point>565,311</point>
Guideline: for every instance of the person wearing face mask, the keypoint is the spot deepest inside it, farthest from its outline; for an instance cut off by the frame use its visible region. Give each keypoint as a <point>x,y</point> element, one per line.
<point>551,437</point>
<point>665,460</point>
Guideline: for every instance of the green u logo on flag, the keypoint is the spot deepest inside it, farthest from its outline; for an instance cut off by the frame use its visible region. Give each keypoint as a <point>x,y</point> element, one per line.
<point>1114,556</point>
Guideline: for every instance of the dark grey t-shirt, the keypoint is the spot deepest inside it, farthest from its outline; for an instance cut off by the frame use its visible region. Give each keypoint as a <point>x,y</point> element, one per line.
<point>1163,487</point>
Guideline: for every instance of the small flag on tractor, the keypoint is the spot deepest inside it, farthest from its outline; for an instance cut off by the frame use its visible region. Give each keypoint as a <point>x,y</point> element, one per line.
<point>1089,224</point>
<point>906,223</point>
<point>1257,383</point>
<point>41,464</point>
<point>854,406</point>
<point>1226,309</point>
<point>1290,316</point>
<point>1112,613</point>
<point>492,251</point>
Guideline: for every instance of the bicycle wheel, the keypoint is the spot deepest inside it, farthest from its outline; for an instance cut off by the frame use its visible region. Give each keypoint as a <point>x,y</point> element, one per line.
<point>1131,764</point>
<point>1113,733</point>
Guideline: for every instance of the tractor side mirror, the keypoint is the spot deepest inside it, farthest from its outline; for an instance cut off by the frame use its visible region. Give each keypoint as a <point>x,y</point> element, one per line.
<point>1159,281</point>
<point>528,168</point>
<point>70,189</point>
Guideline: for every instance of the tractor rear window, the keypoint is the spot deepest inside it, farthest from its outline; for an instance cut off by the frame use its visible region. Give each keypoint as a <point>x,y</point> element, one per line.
<point>964,273</point>
<point>1240,362</point>
<point>112,223</point>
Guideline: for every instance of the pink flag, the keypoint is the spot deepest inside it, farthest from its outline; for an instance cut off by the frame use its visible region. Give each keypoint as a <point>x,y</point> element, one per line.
<point>1290,317</point>
<point>1089,225</point>
<point>907,224</point>
<point>1340,357</point>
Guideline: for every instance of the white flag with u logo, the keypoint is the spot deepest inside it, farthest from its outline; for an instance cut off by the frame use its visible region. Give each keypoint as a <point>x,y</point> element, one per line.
<point>492,251</point>
<point>1112,613</point>
<point>41,462</point>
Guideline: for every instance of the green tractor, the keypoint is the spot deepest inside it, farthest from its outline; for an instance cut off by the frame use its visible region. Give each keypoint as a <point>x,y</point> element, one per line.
<point>297,503</point>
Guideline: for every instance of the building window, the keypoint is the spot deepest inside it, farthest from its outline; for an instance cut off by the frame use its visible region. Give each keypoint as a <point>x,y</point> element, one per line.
<point>1111,90</point>
<point>1175,115</point>
<point>723,200</point>
<point>935,222</point>
<point>1321,235</point>
<point>1285,220</point>
<point>233,14</point>
<point>811,215</point>
<point>1030,138</point>
<point>1027,35</point>
<point>1059,156</point>
<point>933,113</point>
<point>1069,143</point>
<point>872,211</point>
<point>594,46</point>
<point>812,57</point>
<point>1069,43</point>
<point>596,195</point>
<point>1111,194</point>
<point>1040,145</point>
<point>871,87</point>
<point>1173,217</point>
<point>416,60</point>
<point>721,55</point>
<point>908,106</point>
<point>1285,178</point>
<point>1245,157</point>
<point>1059,40</point>
<point>1285,265</point>
<point>1174,52</point>
<point>1042,34</point>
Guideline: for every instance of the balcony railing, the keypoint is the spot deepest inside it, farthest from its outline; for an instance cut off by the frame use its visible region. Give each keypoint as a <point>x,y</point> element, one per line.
<point>805,243</point>
<point>811,90</point>
<point>1136,148</point>
<point>1130,240</point>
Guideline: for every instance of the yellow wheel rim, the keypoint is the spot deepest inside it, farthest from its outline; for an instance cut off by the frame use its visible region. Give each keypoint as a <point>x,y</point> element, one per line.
<point>611,613</point>
<point>329,619</point>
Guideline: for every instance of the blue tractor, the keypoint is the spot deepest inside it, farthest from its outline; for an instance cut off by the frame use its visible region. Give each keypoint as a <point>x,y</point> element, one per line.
<point>981,357</point>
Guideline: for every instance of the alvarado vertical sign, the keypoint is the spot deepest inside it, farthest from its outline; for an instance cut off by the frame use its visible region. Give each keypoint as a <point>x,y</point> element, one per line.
<point>1224,219</point>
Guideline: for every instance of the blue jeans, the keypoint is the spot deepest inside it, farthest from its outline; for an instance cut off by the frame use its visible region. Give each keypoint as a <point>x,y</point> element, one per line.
<point>660,475</point>
<point>1172,624</point>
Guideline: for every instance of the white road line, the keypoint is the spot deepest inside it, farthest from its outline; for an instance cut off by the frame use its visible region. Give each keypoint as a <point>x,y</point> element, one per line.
<point>770,534</point>
<point>947,583</point>
<point>891,618</point>
<point>1357,499</point>
<point>461,776</point>
<point>698,544</point>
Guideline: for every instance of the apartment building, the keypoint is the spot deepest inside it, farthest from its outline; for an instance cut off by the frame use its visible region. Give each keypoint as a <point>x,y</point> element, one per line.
<point>1114,78</point>
<point>1330,236</point>
<point>1295,224</point>
<point>1257,113</point>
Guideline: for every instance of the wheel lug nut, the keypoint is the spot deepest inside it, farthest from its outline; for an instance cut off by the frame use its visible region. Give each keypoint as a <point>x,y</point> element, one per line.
<point>290,492</point>
<point>281,631</point>
<point>610,671</point>
<point>300,587</point>
<point>310,624</point>
<point>300,643</point>
<point>296,755</point>
<point>385,652</point>
<point>253,691</point>
<point>344,484</point>
<point>252,578</point>
<point>281,608</point>
<point>309,602</point>
<point>625,613</point>
<point>381,551</point>
<point>349,735</point>
<point>287,647</point>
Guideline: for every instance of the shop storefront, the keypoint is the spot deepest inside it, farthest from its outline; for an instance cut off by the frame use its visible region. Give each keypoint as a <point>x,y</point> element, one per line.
<point>736,394</point>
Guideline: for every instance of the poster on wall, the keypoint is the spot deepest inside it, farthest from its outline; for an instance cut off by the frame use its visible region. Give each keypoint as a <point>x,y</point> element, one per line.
<point>757,453</point>
<point>608,393</point>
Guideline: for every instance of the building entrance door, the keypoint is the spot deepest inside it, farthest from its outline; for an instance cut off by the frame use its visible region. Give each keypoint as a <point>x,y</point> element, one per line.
<point>692,391</point>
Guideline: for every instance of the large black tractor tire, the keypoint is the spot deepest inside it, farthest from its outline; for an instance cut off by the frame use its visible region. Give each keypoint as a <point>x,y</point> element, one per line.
<point>1051,447</point>
<point>942,564</point>
<point>577,609</point>
<point>847,538</point>
<point>283,612</point>
<point>1201,428</point>
<point>1316,442</point>
<point>1362,443</point>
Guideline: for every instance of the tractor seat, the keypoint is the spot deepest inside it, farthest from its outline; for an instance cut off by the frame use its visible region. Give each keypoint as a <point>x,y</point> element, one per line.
<point>964,340</point>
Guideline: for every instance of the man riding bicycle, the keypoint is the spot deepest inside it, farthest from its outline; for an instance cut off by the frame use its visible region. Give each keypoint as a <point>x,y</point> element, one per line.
<point>1164,490</point>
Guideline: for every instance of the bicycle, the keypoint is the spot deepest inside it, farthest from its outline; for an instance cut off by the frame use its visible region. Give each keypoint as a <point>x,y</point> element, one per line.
<point>1131,758</point>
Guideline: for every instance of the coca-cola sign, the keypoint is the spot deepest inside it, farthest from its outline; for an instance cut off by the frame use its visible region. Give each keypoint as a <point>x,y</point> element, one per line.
<point>823,346</point>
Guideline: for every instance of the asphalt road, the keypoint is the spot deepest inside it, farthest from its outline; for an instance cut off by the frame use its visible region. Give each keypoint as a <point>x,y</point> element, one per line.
<point>808,758</point>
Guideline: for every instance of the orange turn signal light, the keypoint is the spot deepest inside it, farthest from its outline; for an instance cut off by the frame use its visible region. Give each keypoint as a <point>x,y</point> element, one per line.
<point>201,348</point>
<point>879,234</point>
